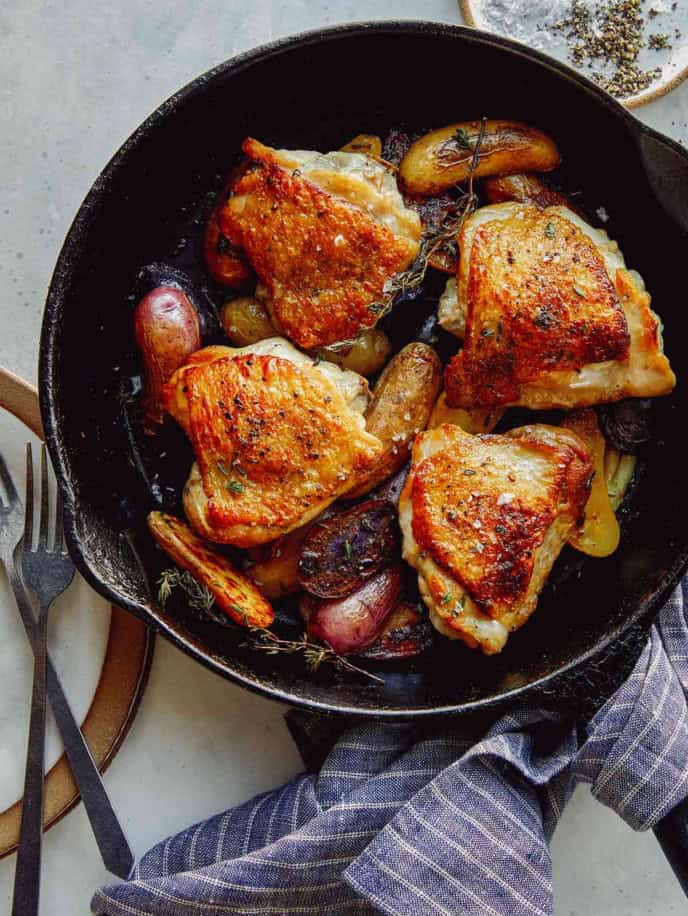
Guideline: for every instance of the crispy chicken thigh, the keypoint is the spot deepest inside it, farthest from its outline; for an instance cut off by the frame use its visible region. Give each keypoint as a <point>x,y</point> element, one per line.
<point>325,233</point>
<point>277,438</point>
<point>549,315</point>
<point>484,518</point>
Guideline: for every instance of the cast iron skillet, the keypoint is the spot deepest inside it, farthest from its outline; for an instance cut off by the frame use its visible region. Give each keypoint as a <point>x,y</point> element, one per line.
<point>316,91</point>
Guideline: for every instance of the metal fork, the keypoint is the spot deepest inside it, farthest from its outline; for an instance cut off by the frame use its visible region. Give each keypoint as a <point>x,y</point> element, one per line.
<point>48,570</point>
<point>117,855</point>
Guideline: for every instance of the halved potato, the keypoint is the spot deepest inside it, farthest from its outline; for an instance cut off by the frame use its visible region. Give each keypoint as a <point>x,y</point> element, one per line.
<point>402,402</point>
<point>278,575</point>
<point>366,355</point>
<point>618,471</point>
<point>526,189</point>
<point>369,144</point>
<point>233,591</point>
<point>245,321</point>
<point>599,534</point>
<point>444,157</point>
<point>472,421</point>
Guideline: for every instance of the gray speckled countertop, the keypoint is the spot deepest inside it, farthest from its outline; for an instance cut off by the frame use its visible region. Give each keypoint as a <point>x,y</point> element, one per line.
<point>75,79</point>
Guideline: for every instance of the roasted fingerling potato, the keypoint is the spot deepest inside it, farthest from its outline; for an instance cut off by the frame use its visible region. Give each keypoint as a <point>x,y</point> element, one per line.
<point>599,534</point>
<point>402,402</point>
<point>445,157</point>
<point>245,321</point>
<point>367,354</point>
<point>168,331</point>
<point>526,189</point>
<point>478,420</point>
<point>234,592</point>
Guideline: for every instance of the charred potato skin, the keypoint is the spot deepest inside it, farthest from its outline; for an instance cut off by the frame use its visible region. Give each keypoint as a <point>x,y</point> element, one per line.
<point>168,331</point>
<point>233,591</point>
<point>402,402</point>
<point>407,632</point>
<point>438,160</point>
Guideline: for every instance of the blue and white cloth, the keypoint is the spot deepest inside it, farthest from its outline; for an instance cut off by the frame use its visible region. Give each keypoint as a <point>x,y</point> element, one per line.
<point>405,824</point>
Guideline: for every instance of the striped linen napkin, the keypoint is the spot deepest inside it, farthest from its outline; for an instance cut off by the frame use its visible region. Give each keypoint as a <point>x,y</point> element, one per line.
<point>402,822</point>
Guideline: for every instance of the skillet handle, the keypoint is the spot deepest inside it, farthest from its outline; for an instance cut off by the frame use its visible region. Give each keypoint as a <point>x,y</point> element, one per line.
<point>666,166</point>
<point>672,834</point>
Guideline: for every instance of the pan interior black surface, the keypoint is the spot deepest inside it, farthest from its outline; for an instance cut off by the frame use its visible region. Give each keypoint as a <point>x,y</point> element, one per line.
<point>317,92</point>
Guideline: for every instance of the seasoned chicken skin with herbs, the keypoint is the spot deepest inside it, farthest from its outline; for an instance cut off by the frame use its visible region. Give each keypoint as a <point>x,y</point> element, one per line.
<point>549,315</point>
<point>277,438</point>
<point>484,518</point>
<point>325,233</point>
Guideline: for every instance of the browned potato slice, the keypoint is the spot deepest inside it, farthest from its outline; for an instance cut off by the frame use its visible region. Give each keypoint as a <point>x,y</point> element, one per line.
<point>233,592</point>
<point>618,472</point>
<point>246,321</point>
<point>367,355</point>
<point>472,421</point>
<point>364,143</point>
<point>444,157</point>
<point>401,407</point>
<point>345,549</point>
<point>599,534</point>
<point>407,632</point>
<point>277,575</point>
<point>526,189</point>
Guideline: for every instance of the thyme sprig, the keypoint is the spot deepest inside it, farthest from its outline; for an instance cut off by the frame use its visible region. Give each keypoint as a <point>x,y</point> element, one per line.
<point>260,638</point>
<point>449,228</point>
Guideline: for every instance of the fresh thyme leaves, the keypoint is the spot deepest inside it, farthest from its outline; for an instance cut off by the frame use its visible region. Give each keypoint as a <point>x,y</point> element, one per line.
<point>461,139</point>
<point>459,606</point>
<point>448,230</point>
<point>446,598</point>
<point>579,292</point>
<point>235,487</point>
<point>260,638</point>
<point>469,472</point>
<point>487,332</point>
<point>348,550</point>
<point>550,231</point>
<point>222,468</point>
<point>198,596</point>
<point>314,655</point>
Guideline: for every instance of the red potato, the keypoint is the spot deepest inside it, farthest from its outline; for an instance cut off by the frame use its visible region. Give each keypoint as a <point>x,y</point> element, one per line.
<point>168,331</point>
<point>351,624</point>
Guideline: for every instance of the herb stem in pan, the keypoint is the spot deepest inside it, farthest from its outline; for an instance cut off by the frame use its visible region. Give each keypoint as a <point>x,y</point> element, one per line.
<point>261,639</point>
<point>448,230</point>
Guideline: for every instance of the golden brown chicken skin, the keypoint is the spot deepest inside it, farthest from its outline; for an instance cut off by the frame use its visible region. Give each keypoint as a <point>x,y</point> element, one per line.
<point>324,260</point>
<point>484,518</point>
<point>549,314</point>
<point>276,441</point>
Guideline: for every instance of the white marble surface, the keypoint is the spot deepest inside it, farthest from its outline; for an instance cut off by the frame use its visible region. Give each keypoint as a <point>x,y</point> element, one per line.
<point>75,79</point>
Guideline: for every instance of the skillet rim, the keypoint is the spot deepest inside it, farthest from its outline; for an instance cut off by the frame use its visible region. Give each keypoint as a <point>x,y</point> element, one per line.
<point>644,613</point>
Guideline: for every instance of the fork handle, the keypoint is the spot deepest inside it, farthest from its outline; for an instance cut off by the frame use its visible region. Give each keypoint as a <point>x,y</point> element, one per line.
<point>27,876</point>
<point>112,843</point>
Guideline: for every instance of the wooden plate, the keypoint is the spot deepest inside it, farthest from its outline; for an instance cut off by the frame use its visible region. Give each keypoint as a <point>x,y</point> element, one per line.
<point>671,20</point>
<point>122,678</point>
